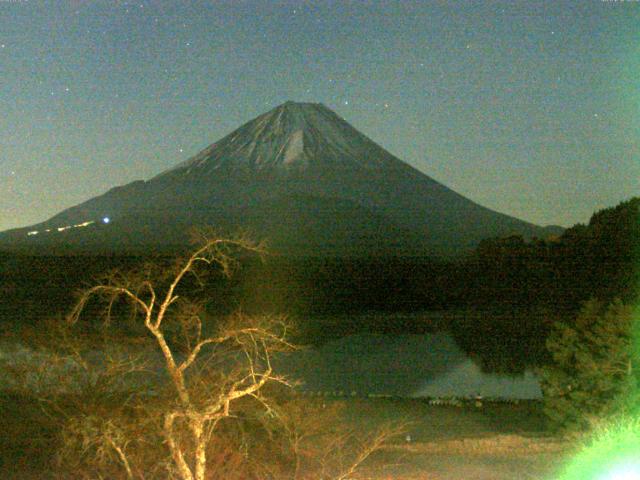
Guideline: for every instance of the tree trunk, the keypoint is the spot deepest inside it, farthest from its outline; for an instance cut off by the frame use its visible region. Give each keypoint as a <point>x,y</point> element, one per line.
<point>201,450</point>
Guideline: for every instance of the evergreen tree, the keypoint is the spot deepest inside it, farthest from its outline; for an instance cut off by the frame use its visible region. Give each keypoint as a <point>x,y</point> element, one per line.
<point>593,372</point>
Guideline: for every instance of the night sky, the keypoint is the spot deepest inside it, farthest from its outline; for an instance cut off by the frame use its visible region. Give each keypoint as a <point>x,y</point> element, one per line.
<point>529,108</point>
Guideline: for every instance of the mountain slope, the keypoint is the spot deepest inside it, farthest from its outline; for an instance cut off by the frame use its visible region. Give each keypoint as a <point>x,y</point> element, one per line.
<point>299,175</point>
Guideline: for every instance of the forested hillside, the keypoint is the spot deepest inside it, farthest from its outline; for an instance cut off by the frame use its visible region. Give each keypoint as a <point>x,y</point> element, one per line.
<point>596,260</point>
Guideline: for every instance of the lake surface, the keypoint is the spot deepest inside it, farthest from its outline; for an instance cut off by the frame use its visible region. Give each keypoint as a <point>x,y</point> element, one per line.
<point>429,365</point>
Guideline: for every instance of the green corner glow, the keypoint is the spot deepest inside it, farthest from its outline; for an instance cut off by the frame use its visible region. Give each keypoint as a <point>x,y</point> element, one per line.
<point>625,471</point>
<point>612,454</point>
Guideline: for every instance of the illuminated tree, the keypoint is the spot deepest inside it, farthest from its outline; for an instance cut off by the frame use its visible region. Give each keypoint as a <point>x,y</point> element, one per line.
<point>201,400</point>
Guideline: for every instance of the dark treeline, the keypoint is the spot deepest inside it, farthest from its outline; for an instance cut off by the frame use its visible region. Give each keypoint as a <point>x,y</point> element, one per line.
<point>510,289</point>
<point>34,288</point>
<point>598,260</point>
<point>516,290</point>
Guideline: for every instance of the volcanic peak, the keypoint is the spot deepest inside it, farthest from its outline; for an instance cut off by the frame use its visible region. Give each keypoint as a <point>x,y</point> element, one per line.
<point>292,137</point>
<point>299,175</point>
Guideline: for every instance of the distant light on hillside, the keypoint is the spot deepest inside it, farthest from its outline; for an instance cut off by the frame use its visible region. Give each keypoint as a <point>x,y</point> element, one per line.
<point>106,220</point>
<point>84,224</point>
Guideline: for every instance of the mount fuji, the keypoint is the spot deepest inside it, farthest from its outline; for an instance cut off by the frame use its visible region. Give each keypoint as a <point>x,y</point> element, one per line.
<point>300,177</point>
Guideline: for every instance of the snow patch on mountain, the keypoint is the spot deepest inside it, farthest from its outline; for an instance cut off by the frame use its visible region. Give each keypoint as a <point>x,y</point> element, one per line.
<point>294,148</point>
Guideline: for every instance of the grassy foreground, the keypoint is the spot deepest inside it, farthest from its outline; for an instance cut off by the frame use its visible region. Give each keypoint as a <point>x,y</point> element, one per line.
<point>492,442</point>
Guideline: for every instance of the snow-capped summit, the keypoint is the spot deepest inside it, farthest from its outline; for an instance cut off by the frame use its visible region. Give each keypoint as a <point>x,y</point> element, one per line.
<point>299,176</point>
<point>291,137</point>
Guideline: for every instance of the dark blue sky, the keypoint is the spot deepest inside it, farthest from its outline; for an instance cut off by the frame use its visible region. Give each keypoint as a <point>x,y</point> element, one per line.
<point>529,108</point>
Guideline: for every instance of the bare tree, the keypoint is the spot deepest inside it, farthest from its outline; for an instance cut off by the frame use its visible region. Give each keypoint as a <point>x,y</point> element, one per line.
<point>325,447</point>
<point>246,343</point>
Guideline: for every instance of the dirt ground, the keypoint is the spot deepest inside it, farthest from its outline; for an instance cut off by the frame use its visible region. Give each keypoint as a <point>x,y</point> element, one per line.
<point>492,442</point>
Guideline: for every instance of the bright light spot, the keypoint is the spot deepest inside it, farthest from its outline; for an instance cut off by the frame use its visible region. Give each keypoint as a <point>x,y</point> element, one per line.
<point>62,229</point>
<point>106,220</point>
<point>35,232</point>
<point>613,453</point>
<point>624,471</point>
